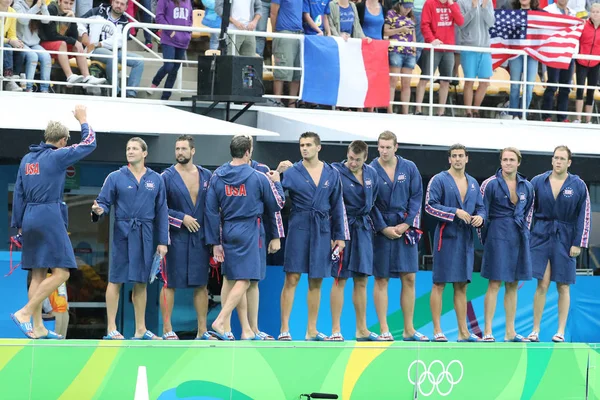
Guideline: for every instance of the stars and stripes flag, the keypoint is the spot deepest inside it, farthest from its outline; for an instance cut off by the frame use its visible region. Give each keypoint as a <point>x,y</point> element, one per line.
<point>552,39</point>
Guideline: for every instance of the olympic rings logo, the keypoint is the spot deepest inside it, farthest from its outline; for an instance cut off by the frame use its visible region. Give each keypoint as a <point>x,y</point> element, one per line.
<point>426,373</point>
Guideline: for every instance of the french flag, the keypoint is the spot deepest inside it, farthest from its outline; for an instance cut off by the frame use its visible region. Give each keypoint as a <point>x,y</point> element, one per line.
<point>353,73</point>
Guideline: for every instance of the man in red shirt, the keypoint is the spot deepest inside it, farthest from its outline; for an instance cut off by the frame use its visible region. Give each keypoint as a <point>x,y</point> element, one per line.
<point>437,24</point>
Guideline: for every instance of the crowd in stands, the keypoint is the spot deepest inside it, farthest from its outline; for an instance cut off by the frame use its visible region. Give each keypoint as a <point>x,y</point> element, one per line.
<point>461,22</point>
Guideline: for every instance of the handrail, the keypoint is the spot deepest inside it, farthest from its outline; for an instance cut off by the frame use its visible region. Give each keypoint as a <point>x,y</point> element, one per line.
<point>523,110</point>
<point>17,16</point>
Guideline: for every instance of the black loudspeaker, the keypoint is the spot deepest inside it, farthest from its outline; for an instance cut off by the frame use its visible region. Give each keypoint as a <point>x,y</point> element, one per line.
<point>230,78</point>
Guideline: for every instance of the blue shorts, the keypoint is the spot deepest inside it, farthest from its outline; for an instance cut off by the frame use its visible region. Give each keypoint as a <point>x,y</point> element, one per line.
<point>476,65</point>
<point>402,60</point>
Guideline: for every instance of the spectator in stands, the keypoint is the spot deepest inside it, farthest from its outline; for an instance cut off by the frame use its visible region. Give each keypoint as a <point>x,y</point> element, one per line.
<point>475,32</point>
<point>437,25</point>
<point>63,36</point>
<point>211,20</point>
<point>579,8</point>
<point>344,21</point>
<point>371,15</point>
<point>556,75</point>
<point>81,7</point>
<point>245,15</point>
<point>589,44</point>
<point>101,40</point>
<point>400,25</point>
<point>316,17</point>
<point>417,11</point>
<point>10,41</point>
<point>27,31</point>
<point>515,66</point>
<point>265,9</point>
<point>286,17</point>
<point>174,43</point>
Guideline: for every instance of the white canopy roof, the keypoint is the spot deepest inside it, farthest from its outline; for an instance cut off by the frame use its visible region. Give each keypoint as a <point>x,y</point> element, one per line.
<point>105,114</point>
<point>485,134</point>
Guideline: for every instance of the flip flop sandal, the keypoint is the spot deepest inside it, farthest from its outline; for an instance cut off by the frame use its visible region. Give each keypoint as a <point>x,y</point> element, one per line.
<point>170,336</point>
<point>52,336</point>
<point>386,337</point>
<point>373,337</point>
<point>534,336</point>
<point>206,336</point>
<point>147,336</point>
<point>471,338</point>
<point>336,337</point>
<point>518,339</point>
<point>229,335</point>
<point>25,327</point>
<point>558,338</point>
<point>488,338</point>
<point>284,336</point>
<point>265,336</point>
<point>321,337</point>
<point>220,336</point>
<point>439,337</point>
<point>114,335</point>
<point>417,337</point>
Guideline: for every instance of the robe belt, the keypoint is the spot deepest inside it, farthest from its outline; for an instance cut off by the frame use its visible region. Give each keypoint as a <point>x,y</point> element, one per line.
<point>400,214</point>
<point>557,224</point>
<point>361,221</point>
<point>134,223</point>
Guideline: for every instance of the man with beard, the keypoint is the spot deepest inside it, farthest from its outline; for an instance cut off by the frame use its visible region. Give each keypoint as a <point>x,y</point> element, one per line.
<point>102,39</point>
<point>188,256</point>
<point>454,200</point>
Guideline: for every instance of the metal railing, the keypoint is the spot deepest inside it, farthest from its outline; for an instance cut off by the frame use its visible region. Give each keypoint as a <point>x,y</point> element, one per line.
<point>75,54</point>
<point>523,84</point>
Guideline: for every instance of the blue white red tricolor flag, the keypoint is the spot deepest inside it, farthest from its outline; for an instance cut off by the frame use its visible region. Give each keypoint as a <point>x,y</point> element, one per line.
<point>549,38</point>
<point>353,73</point>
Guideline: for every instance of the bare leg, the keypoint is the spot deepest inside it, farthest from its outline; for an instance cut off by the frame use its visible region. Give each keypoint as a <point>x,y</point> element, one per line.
<point>45,286</point>
<point>468,97</point>
<point>380,296</point>
<point>579,106</point>
<point>278,89</point>
<point>314,301</point>
<point>83,66</point>
<point>168,295</point>
<point>287,299</point>
<point>63,61</point>
<point>564,301</point>
<point>139,298</point>
<point>225,289</point>
<point>253,299</point>
<point>460,306</point>
<point>113,291</point>
<point>443,96</point>
<point>539,298</point>
<point>489,305</point>
<point>359,298</point>
<point>510,308</point>
<point>62,322</point>
<point>435,303</point>
<point>337,303</point>
<point>233,298</point>
<point>480,93</point>
<point>407,302</point>
<point>242,312</point>
<point>588,109</point>
<point>405,90</point>
<point>294,89</point>
<point>201,306</point>
<point>393,83</point>
<point>420,94</point>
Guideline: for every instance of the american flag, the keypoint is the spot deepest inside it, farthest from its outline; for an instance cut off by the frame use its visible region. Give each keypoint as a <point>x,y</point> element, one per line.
<point>549,38</point>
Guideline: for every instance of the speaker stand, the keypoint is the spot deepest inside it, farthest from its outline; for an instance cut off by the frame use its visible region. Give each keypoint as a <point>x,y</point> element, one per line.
<point>195,99</point>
